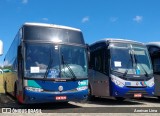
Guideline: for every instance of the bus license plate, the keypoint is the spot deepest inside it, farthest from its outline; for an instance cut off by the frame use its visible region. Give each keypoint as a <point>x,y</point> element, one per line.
<point>61,97</point>
<point>137,95</point>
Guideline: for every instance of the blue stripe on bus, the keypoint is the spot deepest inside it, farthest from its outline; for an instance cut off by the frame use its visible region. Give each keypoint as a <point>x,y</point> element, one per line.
<point>53,86</point>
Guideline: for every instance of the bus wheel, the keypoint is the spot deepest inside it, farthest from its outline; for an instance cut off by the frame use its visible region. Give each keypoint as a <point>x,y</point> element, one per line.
<point>158,97</point>
<point>90,96</point>
<point>120,98</point>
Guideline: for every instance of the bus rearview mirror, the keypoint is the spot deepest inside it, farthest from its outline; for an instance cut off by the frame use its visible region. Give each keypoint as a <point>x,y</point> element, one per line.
<point>1,47</point>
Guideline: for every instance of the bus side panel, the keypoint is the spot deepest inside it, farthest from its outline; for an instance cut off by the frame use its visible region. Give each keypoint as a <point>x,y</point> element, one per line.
<point>100,83</point>
<point>91,81</point>
<point>157,84</point>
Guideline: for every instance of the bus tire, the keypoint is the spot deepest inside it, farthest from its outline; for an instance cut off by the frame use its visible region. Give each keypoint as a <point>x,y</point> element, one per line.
<point>120,98</point>
<point>90,96</point>
<point>158,97</point>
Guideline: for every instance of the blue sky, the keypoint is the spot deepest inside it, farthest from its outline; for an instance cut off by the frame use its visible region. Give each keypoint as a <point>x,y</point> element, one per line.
<point>137,20</point>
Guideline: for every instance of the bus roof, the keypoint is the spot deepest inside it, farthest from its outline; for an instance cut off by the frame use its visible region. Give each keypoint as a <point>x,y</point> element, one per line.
<point>50,25</point>
<point>116,40</point>
<point>154,44</point>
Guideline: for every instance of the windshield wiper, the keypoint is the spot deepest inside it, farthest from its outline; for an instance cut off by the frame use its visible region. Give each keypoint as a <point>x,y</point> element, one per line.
<point>49,66</point>
<point>69,68</point>
<point>126,71</point>
<point>64,67</point>
<point>136,60</point>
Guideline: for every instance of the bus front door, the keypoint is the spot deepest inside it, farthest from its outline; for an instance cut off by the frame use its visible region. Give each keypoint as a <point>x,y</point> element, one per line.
<point>101,82</point>
<point>156,69</point>
<point>157,84</point>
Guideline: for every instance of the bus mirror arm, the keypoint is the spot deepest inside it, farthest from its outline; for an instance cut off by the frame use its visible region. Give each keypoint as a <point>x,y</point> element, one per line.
<point>87,46</point>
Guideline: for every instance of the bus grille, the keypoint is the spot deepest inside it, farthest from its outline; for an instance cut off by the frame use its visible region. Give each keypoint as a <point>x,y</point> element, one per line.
<point>136,86</point>
<point>132,92</point>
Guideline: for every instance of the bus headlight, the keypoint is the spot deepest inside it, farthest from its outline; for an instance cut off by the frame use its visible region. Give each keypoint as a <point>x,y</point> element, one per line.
<point>151,84</point>
<point>118,83</point>
<point>34,89</point>
<point>82,88</point>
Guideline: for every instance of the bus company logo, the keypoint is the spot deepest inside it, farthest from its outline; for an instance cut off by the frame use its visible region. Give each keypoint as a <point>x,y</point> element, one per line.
<point>137,83</point>
<point>60,88</point>
<point>143,83</point>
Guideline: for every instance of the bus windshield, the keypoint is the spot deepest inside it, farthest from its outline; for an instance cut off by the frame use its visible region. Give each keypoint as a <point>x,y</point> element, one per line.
<point>55,61</point>
<point>130,59</point>
<point>74,62</point>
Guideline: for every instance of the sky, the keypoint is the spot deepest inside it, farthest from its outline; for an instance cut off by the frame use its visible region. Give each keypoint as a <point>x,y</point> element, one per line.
<point>137,20</point>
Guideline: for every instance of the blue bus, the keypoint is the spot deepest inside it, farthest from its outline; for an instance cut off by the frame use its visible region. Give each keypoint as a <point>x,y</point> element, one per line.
<point>121,69</point>
<point>47,63</point>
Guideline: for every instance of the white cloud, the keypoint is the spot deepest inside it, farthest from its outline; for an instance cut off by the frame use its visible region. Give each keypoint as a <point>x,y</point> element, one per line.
<point>113,19</point>
<point>85,19</point>
<point>138,19</point>
<point>45,19</point>
<point>24,1</point>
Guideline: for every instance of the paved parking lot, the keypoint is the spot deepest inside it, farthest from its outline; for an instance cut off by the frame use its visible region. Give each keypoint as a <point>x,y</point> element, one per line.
<point>99,105</point>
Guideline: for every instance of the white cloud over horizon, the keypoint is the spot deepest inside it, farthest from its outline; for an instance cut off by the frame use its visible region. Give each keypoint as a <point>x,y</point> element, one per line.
<point>138,19</point>
<point>45,19</point>
<point>85,19</point>
<point>24,1</point>
<point>113,19</point>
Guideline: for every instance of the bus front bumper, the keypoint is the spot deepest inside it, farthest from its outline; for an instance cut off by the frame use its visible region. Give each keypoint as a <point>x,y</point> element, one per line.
<point>45,97</point>
<point>129,92</point>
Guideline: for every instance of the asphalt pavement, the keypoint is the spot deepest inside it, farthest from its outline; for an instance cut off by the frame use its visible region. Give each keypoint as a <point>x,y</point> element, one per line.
<point>99,106</point>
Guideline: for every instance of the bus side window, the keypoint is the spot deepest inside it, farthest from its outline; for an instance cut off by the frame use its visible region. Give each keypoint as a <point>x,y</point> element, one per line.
<point>92,60</point>
<point>97,63</point>
<point>155,56</point>
<point>156,63</point>
<point>100,60</point>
